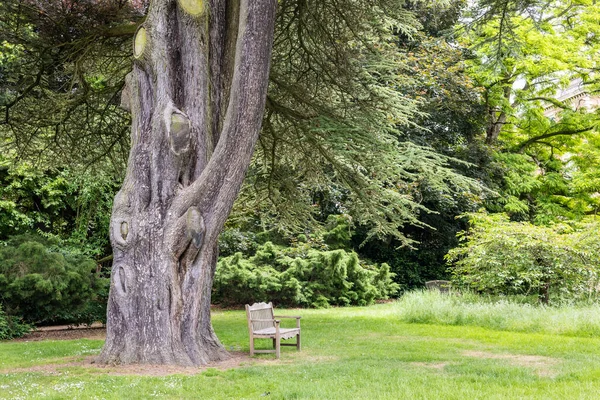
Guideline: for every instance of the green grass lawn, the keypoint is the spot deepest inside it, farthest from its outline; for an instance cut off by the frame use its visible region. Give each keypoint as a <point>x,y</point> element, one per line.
<point>348,353</point>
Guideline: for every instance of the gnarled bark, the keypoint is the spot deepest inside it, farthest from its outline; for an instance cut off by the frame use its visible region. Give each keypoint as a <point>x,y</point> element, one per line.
<point>196,94</point>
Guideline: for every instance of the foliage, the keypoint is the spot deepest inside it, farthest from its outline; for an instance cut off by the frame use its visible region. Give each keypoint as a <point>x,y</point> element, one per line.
<point>234,240</point>
<point>413,267</point>
<point>43,284</point>
<point>62,66</point>
<point>549,190</point>
<point>411,166</point>
<point>335,105</point>
<point>345,131</point>
<point>301,276</point>
<point>497,256</point>
<point>526,54</point>
<point>341,94</point>
<point>72,206</point>
<point>450,121</point>
<point>11,327</point>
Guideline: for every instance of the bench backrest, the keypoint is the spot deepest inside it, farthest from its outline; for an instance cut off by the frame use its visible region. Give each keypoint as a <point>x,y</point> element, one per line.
<point>260,311</point>
<point>442,286</point>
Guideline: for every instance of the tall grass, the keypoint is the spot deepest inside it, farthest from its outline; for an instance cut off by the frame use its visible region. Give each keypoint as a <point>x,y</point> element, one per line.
<point>432,307</point>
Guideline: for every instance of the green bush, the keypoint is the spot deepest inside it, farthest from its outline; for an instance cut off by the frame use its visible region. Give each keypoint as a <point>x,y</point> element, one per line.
<point>301,276</point>
<point>44,285</point>
<point>556,263</point>
<point>11,327</point>
<point>72,205</point>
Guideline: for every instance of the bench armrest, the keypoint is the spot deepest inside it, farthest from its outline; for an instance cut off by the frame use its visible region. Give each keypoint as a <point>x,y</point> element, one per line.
<point>265,320</point>
<point>287,316</point>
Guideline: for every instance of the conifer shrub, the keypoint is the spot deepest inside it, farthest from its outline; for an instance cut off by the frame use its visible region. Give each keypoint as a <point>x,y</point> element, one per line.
<point>42,284</point>
<point>301,276</point>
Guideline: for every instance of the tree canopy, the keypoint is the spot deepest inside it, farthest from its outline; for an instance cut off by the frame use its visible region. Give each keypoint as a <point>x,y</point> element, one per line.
<point>341,95</point>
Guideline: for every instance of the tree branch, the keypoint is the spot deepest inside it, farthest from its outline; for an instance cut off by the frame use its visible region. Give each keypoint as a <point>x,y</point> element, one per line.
<point>28,89</point>
<point>536,139</point>
<point>557,103</point>
<point>216,188</point>
<point>122,30</point>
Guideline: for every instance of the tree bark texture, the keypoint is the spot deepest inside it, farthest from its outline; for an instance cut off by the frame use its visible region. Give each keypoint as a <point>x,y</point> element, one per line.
<point>495,126</point>
<point>196,94</point>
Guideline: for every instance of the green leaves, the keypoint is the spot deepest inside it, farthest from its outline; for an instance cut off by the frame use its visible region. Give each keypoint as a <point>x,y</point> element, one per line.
<point>536,61</point>
<point>497,256</point>
<point>11,326</point>
<point>342,93</point>
<point>43,285</point>
<point>72,206</point>
<point>301,276</point>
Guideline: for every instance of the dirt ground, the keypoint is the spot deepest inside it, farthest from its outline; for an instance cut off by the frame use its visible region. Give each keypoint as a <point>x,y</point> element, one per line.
<point>237,359</point>
<point>542,365</point>
<point>65,332</point>
<point>98,332</point>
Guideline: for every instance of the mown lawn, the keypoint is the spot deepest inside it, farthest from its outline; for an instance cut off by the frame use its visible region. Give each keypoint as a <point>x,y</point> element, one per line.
<point>348,353</point>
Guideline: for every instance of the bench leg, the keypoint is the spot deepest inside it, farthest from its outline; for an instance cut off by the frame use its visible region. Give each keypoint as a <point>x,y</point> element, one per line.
<point>277,345</point>
<point>298,342</point>
<point>251,345</point>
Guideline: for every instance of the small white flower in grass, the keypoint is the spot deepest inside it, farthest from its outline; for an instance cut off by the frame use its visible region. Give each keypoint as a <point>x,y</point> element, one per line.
<point>68,386</point>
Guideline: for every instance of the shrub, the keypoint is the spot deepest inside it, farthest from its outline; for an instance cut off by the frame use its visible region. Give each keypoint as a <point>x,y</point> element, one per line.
<point>233,240</point>
<point>498,256</point>
<point>301,276</point>
<point>11,327</point>
<point>43,285</point>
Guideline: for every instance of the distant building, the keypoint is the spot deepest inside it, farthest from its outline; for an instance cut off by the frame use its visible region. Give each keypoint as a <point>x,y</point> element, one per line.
<point>574,96</point>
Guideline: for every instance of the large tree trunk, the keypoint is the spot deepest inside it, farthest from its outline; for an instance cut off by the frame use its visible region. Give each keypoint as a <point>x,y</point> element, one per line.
<point>196,94</point>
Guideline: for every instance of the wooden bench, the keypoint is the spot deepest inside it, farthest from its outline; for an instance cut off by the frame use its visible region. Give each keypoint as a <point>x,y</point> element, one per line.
<point>439,285</point>
<point>262,324</point>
